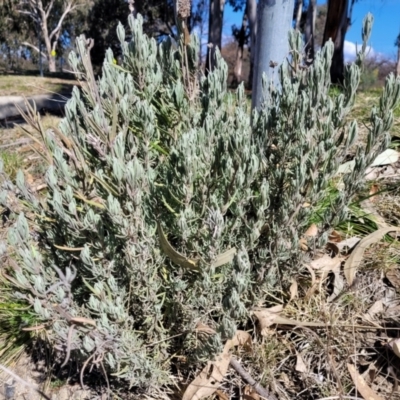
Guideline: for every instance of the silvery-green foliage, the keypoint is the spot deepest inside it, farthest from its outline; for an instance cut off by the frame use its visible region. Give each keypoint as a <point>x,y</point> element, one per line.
<point>94,275</point>
<point>152,147</point>
<point>304,135</point>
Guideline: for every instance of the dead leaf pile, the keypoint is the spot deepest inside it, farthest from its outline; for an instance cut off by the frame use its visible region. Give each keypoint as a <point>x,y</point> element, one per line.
<point>210,378</point>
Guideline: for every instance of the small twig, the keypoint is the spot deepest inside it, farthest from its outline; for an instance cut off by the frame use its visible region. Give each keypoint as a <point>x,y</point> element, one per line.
<point>83,369</point>
<point>38,188</point>
<point>69,339</point>
<point>107,381</point>
<point>235,364</point>
<point>16,143</point>
<point>19,379</point>
<point>341,397</point>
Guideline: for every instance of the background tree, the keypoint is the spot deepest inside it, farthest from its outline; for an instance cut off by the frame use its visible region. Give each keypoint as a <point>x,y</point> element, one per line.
<point>298,14</point>
<point>252,22</point>
<point>309,31</point>
<point>397,44</point>
<point>309,18</point>
<point>272,46</point>
<point>241,35</point>
<point>320,21</point>
<point>337,22</point>
<point>198,20</point>
<point>48,17</point>
<point>215,22</point>
<point>158,16</point>
<point>102,21</point>
<point>14,28</point>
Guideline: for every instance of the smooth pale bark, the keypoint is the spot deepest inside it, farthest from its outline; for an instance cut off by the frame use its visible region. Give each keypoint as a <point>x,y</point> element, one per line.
<point>252,19</point>
<point>272,46</point>
<point>299,12</point>
<point>40,15</point>
<point>337,21</point>
<point>215,22</point>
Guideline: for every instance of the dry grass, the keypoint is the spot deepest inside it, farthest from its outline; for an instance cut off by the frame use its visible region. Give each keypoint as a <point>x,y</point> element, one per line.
<point>18,150</point>
<point>302,362</point>
<point>311,363</point>
<point>22,85</point>
<point>362,109</point>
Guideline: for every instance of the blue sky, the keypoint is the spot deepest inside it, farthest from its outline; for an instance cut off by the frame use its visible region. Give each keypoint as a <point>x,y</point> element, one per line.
<point>384,32</point>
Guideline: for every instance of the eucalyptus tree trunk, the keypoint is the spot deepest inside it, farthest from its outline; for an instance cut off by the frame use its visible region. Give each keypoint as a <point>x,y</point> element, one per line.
<point>252,20</point>
<point>216,19</point>
<point>40,14</point>
<point>241,39</point>
<point>397,43</point>
<point>299,12</point>
<point>309,31</point>
<point>272,46</point>
<point>337,21</point>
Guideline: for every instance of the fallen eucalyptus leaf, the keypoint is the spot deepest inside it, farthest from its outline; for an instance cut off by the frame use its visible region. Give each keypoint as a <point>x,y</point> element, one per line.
<point>176,257</point>
<point>267,316</point>
<point>300,364</point>
<point>347,167</point>
<point>389,156</point>
<point>83,320</point>
<point>369,208</point>
<point>250,394</point>
<point>303,244</point>
<point>395,345</point>
<point>312,231</point>
<point>393,276</point>
<point>326,263</point>
<point>353,262</point>
<point>293,289</point>
<point>204,329</point>
<point>348,244</point>
<point>376,308</point>
<point>224,258</point>
<point>241,338</point>
<point>270,316</point>
<point>187,263</point>
<point>361,385</point>
<point>207,382</point>
<point>335,237</point>
<point>314,283</point>
<point>221,395</point>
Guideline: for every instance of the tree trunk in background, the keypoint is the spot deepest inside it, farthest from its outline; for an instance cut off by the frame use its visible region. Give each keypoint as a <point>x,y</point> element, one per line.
<point>299,12</point>
<point>50,35</point>
<point>239,55</point>
<point>398,62</point>
<point>216,19</point>
<point>309,31</point>
<point>272,46</point>
<point>337,22</point>
<point>52,64</point>
<point>397,43</point>
<point>132,8</point>
<point>251,6</point>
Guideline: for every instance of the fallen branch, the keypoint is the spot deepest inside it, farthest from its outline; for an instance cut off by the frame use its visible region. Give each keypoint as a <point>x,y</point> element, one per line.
<point>235,364</point>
